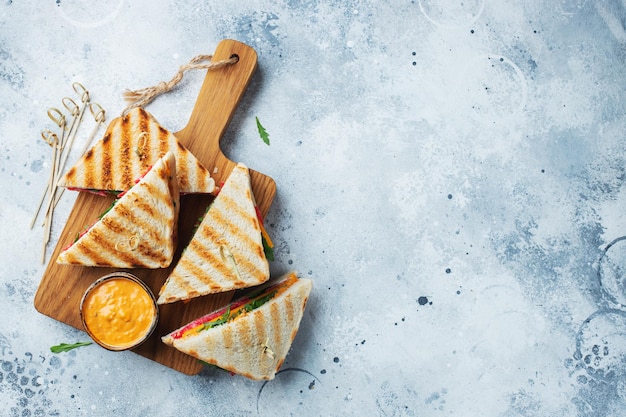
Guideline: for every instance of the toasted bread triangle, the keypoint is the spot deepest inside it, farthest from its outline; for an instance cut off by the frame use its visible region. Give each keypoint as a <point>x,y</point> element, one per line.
<point>130,145</point>
<point>253,344</point>
<point>226,251</point>
<point>139,230</point>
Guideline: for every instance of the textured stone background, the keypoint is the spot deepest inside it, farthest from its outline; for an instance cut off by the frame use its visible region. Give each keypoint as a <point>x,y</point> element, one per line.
<point>450,174</point>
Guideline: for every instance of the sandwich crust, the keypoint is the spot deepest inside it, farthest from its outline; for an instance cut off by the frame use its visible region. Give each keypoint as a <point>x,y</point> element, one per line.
<point>254,344</point>
<point>130,145</point>
<point>140,230</point>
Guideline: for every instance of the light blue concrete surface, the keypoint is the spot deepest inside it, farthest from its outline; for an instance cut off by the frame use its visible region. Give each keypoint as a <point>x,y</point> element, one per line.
<point>450,174</point>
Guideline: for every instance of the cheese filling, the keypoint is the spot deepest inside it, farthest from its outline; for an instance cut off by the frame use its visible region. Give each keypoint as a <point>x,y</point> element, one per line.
<point>235,309</point>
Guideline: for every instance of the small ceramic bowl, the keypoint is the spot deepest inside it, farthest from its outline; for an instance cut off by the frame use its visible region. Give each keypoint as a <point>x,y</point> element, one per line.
<point>119,311</point>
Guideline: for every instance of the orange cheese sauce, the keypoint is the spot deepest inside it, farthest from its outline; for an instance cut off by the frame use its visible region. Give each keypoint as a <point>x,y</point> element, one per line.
<point>118,313</point>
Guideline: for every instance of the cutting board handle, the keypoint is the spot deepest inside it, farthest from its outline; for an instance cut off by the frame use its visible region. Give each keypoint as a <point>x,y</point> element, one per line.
<point>218,98</point>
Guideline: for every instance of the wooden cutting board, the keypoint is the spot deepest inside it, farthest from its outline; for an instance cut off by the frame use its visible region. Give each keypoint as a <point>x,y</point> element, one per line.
<point>62,286</point>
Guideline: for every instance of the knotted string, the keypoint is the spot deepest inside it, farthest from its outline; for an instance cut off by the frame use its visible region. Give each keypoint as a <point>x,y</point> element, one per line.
<point>141,97</point>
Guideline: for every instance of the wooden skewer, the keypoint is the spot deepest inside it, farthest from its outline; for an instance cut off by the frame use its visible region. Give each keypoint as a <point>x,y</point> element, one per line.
<point>78,88</point>
<point>61,151</point>
<point>98,114</point>
<point>59,118</point>
<point>99,117</point>
<point>71,106</point>
<point>51,139</point>
<point>84,98</point>
<point>77,111</point>
<point>48,218</point>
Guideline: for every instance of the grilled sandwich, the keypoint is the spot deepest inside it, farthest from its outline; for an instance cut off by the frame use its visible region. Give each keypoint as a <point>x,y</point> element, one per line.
<point>252,335</point>
<point>130,145</point>
<point>138,230</point>
<point>226,251</point>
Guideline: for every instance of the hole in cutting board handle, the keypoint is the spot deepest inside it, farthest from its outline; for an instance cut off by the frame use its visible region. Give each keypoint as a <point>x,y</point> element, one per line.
<point>236,57</point>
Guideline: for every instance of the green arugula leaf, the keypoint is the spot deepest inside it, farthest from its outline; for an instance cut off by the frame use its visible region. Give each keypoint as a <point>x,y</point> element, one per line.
<point>259,302</point>
<point>107,209</point>
<point>66,347</point>
<point>223,319</point>
<point>269,251</point>
<point>211,366</point>
<point>262,132</point>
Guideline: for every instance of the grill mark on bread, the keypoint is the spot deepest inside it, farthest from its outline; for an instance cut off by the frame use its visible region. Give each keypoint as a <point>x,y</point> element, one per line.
<point>235,234</point>
<point>228,338</point>
<point>204,251</point>
<point>231,205</point>
<point>188,269</point>
<point>143,145</point>
<point>260,326</point>
<point>201,175</point>
<point>163,136</point>
<point>108,244</point>
<point>114,227</point>
<point>142,121</point>
<point>305,298</point>
<point>69,175</point>
<point>148,151</point>
<point>125,166</point>
<point>146,251</point>
<point>182,282</point>
<point>145,206</point>
<point>90,254</point>
<point>213,287</point>
<point>106,164</point>
<point>274,314</point>
<point>147,146</point>
<point>290,307</point>
<point>89,171</point>
<point>184,174</point>
<point>141,112</point>
<point>105,249</point>
<point>244,333</point>
<point>252,223</point>
<point>143,132</point>
<point>251,272</point>
<point>193,293</point>
<point>194,353</point>
<point>163,174</point>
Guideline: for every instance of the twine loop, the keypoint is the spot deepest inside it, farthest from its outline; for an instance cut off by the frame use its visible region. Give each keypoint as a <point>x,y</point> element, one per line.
<point>143,96</point>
